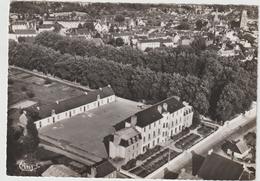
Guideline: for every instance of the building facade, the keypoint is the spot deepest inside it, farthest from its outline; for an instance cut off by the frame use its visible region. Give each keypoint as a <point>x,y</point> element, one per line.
<point>150,127</point>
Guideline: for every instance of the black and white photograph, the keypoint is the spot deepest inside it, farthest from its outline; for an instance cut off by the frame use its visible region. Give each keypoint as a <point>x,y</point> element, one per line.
<point>131,90</point>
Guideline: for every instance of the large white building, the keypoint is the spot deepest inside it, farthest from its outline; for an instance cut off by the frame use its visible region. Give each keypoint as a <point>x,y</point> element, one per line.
<point>150,127</point>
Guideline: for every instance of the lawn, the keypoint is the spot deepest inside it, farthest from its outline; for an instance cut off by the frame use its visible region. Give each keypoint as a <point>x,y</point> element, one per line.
<point>187,141</point>
<point>154,162</point>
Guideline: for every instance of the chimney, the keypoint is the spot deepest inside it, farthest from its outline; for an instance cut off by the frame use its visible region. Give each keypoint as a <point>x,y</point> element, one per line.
<point>133,120</point>
<point>93,172</point>
<point>159,108</point>
<point>165,106</point>
<point>183,170</point>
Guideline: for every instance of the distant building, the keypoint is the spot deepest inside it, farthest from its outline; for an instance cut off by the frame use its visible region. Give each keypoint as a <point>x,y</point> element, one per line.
<point>103,170</point>
<point>243,20</point>
<point>150,127</point>
<point>26,33</point>
<point>153,43</point>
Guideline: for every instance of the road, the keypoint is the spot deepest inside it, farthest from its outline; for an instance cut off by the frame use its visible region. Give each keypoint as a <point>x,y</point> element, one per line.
<point>62,81</point>
<point>240,124</point>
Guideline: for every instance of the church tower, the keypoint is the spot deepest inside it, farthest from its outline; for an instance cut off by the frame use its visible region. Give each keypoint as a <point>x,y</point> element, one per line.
<point>243,20</point>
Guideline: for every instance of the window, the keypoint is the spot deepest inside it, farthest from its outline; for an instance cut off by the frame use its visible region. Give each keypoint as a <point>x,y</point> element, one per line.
<point>74,111</point>
<point>133,147</point>
<point>172,124</point>
<point>80,109</point>
<point>53,119</point>
<point>148,145</point>
<point>159,121</point>
<point>149,126</point>
<point>144,129</point>
<point>107,100</point>
<point>153,133</point>
<point>159,131</point>
<point>163,125</point>
<point>158,139</point>
<point>149,136</point>
<point>144,149</point>
<point>154,124</point>
<point>40,124</point>
<point>66,114</point>
<point>153,142</point>
<point>162,133</point>
<point>166,125</point>
<point>144,139</point>
<point>175,130</point>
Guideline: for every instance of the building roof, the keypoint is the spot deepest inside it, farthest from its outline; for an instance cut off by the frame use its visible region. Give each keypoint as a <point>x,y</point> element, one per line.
<point>197,161</point>
<point>151,114</point>
<point>128,136</point>
<point>26,31</point>
<point>216,167</point>
<point>104,169</point>
<point>73,102</point>
<point>59,171</point>
<point>46,26</point>
<point>159,40</point>
<point>238,147</point>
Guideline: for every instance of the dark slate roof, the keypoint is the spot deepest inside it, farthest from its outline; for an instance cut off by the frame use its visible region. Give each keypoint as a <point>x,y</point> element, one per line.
<point>71,103</point>
<point>26,31</point>
<point>104,169</point>
<point>151,114</point>
<point>216,167</point>
<point>197,161</point>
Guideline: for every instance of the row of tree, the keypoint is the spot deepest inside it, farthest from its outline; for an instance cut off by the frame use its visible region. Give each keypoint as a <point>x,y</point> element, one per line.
<point>209,85</point>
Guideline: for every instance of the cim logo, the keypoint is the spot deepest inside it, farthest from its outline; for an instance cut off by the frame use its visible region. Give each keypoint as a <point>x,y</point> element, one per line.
<point>28,167</point>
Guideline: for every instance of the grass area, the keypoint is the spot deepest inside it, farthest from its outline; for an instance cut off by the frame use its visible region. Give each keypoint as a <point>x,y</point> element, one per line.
<point>205,130</point>
<point>23,86</point>
<point>187,141</point>
<point>154,162</point>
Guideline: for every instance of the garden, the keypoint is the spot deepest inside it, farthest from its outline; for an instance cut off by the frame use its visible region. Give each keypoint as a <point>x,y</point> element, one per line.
<point>205,130</point>
<point>187,141</point>
<point>181,134</point>
<point>155,162</point>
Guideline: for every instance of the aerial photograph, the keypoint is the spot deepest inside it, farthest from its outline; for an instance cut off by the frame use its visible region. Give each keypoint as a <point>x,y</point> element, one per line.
<point>132,90</point>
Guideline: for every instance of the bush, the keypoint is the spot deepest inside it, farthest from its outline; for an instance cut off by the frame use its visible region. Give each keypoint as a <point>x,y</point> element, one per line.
<point>24,88</point>
<point>30,94</point>
<point>130,164</point>
<point>47,81</point>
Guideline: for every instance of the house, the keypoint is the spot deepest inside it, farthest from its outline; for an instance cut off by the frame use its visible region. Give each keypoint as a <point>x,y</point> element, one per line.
<point>216,167</point>
<point>63,109</point>
<point>150,127</point>
<point>153,43</point>
<point>238,149</point>
<point>22,33</point>
<point>126,36</point>
<point>103,170</point>
<point>45,27</point>
<point>59,171</point>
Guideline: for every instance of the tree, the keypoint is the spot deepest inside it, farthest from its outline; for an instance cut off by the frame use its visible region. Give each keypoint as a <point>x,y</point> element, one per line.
<point>119,42</point>
<point>199,24</point>
<point>199,43</point>
<point>80,26</point>
<point>89,25</point>
<point>21,39</point>
<point>119,18</point>
<point>183,26</point>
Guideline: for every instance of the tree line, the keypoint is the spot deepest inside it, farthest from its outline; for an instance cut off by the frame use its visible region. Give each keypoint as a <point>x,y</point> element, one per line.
<point>217,87</point>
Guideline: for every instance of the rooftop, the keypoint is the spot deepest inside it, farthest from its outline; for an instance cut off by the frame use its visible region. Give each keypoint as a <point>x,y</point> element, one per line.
<point>88,130</point>
<point>151,114</point>
<point>216,167</point>
<point>59,171</point>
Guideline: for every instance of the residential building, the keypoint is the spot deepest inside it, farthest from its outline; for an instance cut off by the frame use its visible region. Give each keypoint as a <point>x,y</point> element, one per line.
<point>150,127</point>
<point>153,43</point>
<point>27,33</point>
<point>237,149</point>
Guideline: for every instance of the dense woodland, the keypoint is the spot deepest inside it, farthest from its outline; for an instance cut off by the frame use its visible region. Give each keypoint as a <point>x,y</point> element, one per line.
<point>214,86</point>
